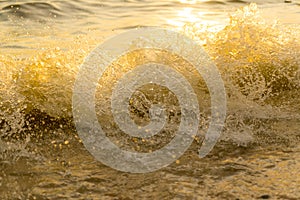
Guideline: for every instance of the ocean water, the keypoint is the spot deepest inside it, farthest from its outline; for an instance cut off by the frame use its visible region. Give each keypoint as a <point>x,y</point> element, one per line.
<point>255,46</point>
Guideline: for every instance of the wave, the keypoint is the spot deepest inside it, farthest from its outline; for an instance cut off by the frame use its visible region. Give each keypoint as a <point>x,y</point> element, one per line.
<point>31,10</point>
<point>259,62</point>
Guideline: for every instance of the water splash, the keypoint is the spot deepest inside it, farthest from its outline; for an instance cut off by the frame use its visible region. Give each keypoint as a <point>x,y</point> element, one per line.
<point>260,65</point>
<point>259,62</point>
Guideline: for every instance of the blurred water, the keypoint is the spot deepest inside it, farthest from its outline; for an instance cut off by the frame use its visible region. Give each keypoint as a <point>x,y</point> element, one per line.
<point>43,43</point>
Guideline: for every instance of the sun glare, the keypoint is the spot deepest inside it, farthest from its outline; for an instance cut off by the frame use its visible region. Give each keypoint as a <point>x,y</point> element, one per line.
<point>190,1</point>
<point>186,15</point>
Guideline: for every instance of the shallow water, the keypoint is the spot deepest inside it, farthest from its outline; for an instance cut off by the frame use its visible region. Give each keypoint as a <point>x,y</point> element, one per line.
<point>256,49</point>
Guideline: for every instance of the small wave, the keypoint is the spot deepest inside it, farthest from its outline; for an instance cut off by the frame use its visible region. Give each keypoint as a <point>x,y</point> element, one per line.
<point>31,10</point>
<point>14,47</point>
<point>237,1</point>
<point>214,2</point>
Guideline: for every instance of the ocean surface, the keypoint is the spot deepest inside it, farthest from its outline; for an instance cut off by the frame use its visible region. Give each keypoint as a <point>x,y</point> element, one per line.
<point>255,46</point>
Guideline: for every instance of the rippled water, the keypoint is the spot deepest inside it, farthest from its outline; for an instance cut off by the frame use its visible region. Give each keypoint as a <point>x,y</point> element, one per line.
<point>256,49</point>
